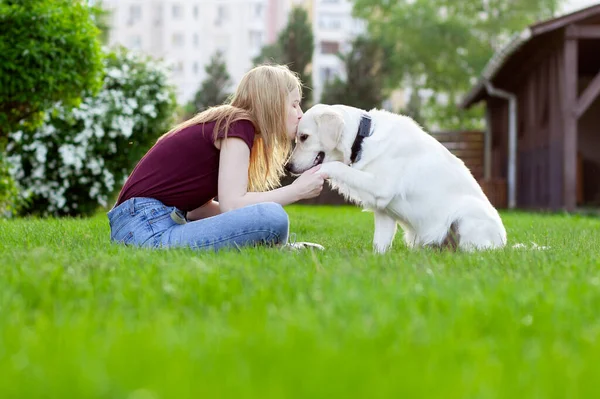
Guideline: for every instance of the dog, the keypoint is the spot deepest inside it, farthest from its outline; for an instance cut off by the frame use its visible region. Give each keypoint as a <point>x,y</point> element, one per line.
<point>387,164</point>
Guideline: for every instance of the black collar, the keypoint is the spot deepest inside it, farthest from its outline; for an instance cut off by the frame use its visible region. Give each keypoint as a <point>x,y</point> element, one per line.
<point>364,130</point>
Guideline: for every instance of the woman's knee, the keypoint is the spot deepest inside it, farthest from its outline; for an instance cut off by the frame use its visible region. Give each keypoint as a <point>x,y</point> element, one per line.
<point>276,219</point>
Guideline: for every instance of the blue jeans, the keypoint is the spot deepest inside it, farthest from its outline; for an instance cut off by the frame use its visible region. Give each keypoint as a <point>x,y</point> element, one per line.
<point>147,222</point>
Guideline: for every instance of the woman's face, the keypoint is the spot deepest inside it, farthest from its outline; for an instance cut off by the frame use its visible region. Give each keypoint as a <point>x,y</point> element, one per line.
<point>294,113</point>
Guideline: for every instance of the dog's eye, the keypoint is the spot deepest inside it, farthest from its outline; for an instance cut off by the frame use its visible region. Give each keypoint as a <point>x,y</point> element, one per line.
<point>303,137</point>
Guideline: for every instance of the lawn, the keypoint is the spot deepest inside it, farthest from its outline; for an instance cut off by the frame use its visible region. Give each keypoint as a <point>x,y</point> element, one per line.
<point>82,318</point>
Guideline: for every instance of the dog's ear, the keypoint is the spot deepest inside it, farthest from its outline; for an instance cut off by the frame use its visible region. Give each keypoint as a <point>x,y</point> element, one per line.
<point>330,123</point>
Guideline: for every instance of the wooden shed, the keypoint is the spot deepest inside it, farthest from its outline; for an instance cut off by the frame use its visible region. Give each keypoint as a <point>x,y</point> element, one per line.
<point>541,94</point>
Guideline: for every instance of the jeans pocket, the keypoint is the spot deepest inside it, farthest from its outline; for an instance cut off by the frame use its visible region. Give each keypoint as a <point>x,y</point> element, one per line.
<point>126,238</point>
<point>159,219</point>
<point>117,223</point>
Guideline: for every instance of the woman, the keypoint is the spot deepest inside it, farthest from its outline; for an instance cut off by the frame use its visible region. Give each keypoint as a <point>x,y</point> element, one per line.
<point>235,152</point>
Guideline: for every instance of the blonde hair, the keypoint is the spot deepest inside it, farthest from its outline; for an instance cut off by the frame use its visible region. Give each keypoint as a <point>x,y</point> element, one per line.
<point>261,97</point>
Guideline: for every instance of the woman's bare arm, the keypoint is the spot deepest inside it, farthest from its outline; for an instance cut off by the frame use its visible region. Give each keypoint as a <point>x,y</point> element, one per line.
<point>233,180</point>
<point>211,208</point>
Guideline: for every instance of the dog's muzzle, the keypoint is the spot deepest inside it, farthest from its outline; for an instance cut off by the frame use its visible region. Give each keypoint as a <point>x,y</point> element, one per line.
<point>319,159</point>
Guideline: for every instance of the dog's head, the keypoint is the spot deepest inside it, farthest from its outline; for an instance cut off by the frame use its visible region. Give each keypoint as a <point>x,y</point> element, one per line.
<point>318,139</point>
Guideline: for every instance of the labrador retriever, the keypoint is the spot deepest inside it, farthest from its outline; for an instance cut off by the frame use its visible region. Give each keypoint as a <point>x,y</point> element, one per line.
<point>389,165</point>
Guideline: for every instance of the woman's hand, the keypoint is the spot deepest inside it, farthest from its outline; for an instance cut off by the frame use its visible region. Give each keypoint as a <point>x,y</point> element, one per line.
<point>309,184</point>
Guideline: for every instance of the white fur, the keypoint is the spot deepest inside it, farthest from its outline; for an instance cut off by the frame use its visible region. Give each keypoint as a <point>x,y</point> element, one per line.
<point>404,175</point>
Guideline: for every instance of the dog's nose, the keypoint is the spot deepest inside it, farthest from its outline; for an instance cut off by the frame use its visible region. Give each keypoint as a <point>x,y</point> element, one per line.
<point>288,167</point>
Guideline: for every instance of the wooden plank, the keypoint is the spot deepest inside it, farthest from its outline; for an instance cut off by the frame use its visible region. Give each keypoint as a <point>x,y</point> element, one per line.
<point>555,129</point>
<point>468,153</point>
<point>570,125</point>
<point>466,145</point>
<point>588,96</point>
<point>583,32</point>
<point>541,94</point>
<point>487,145</point>
<point>449,137</point>
<point>530,115</point>
<point>540,55</point>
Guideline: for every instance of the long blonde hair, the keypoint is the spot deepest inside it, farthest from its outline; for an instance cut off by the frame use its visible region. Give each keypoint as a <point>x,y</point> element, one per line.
<point>261,97</point>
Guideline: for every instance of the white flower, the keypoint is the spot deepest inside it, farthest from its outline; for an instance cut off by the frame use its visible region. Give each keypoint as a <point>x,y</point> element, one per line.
<point>149,109</point>
<point>40,154</point>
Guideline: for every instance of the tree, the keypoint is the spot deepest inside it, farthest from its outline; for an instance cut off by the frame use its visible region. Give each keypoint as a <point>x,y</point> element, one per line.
<point>49,53</point>
<point>213,90</point>
<point>414,107</point>
<point>445,44</point>
<point>294,47</point>
<point>366,67</point>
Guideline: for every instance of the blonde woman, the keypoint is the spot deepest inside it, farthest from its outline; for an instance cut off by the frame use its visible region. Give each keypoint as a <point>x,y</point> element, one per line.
<point>235,152</point>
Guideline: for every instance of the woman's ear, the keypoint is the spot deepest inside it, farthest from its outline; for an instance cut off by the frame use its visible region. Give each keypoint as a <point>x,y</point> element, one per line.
<point>330,125</point>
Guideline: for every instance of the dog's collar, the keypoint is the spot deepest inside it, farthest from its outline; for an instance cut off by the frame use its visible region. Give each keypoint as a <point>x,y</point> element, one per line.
<point>364,130</point>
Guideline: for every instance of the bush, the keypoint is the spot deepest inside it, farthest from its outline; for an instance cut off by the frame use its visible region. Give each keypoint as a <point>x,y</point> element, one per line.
<point>79,158</point>
<point>49,52</point>
<point>9,194</point>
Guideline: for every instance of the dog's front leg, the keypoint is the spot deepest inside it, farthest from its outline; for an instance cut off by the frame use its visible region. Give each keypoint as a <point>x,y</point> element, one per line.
<point>385,231</point>
<point>367,186</point>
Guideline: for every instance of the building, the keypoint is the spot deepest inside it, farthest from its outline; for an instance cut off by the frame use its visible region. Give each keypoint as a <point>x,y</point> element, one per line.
<point>187,32</point>
<point>333,30</point>
<point>543,111</point>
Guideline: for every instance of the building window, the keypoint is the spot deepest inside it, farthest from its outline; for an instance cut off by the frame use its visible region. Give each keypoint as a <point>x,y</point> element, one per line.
<point>258,10</point>
<point>222,45</point>
<point>196,12</point>
<point>222,15</point>
<point>326,74</point>
<point>256,39</point>
<point>135,14</point>
<point>178,67</point>
<point>158,15</point>
<point>177,40</point>
<point>177,11</point>
<point>196,68</point>
<point>330,47</point>
<point>330,22</point>
<point>196,40</point>
<point>135,42</point>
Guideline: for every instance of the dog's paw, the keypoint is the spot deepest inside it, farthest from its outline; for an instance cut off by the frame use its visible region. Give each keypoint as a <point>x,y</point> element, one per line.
<point>302,245</point>
<point>330,168</point>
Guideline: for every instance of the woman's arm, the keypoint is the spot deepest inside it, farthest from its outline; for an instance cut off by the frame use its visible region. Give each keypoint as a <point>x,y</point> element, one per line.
<point>233,180</point>
<point>211,208</point>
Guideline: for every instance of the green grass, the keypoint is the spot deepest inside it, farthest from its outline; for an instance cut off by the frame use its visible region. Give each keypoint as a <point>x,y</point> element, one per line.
<point>82,318</point>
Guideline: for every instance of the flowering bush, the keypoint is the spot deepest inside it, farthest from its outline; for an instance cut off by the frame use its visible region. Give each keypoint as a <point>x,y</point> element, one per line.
<point>79,158</point>
<point>9,194</point>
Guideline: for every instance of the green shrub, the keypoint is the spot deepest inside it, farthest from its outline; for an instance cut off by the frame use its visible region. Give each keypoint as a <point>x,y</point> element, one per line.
<point>49,52</point>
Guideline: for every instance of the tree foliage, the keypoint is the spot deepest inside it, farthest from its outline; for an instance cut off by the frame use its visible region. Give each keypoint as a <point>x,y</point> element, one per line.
<point>49,52</point>
<point>294,47</point>
<point>363,86</point>
<point>213,89</point>
<point>443,45</point>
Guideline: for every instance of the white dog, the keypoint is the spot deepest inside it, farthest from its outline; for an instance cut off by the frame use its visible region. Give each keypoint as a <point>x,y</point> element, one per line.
<point>389,165</point>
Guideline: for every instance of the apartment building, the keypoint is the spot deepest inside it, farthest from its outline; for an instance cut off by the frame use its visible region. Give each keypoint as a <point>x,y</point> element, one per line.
<point>187,32</point>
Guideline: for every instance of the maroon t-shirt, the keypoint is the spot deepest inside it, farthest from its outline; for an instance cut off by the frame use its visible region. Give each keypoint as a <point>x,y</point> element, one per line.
<point>182,169</point>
